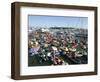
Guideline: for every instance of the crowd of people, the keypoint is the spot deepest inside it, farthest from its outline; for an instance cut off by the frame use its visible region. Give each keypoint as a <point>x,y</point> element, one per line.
<point>58,47</point>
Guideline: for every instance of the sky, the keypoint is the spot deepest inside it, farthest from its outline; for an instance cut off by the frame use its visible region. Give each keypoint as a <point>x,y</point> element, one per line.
<point>60,21</point>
